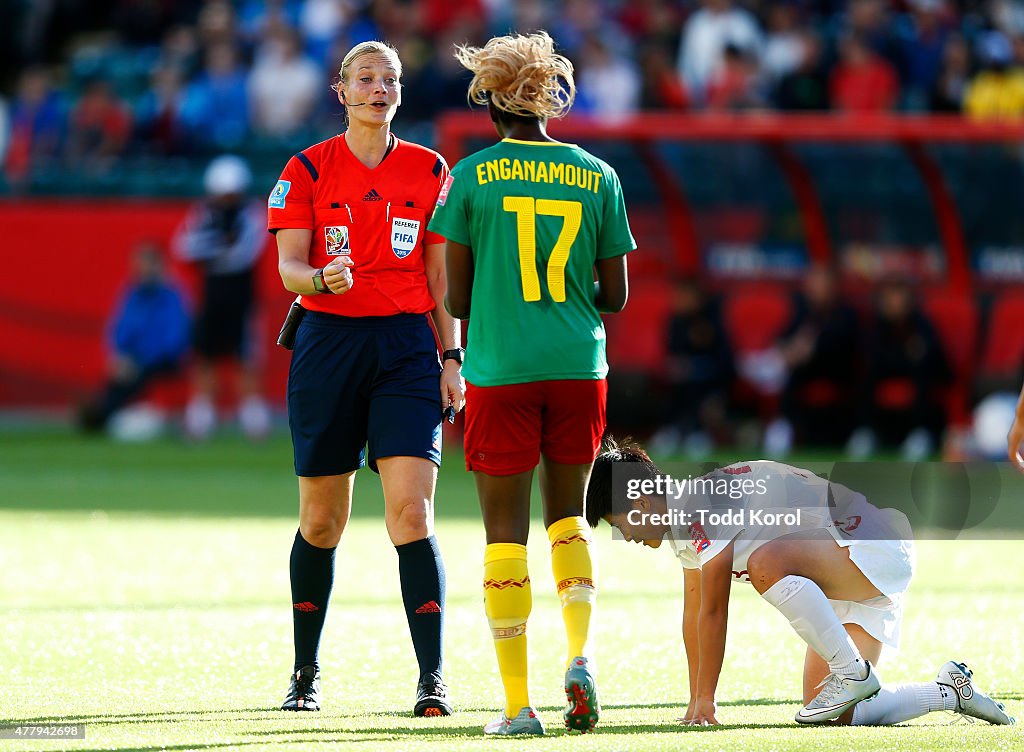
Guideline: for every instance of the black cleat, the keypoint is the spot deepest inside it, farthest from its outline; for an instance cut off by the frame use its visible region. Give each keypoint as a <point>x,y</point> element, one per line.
<point>432,698</point>
<point>304,694</point>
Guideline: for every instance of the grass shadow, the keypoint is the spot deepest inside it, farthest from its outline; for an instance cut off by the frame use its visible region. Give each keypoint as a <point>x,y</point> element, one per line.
<point>760,701</point>
<point>221,745</point>
<point>1008,695</point>
<point>155,717</point>
<point>272,712</point>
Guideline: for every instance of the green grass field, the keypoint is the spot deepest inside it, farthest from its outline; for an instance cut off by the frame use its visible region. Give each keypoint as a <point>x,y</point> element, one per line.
<point>144,593</point>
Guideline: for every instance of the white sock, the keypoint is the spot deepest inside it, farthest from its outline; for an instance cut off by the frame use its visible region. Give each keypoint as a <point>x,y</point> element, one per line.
<point>200,417</point>
<point>254,417</point>
<point>903,702</point>
<point>801,601</point>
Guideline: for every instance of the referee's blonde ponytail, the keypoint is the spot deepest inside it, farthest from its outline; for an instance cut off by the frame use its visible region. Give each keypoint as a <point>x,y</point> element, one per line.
<point>521,74</point>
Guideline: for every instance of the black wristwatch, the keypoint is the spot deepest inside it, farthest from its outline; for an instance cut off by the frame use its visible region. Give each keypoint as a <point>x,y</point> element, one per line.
<point>455,355</point>
<point>318,281</point>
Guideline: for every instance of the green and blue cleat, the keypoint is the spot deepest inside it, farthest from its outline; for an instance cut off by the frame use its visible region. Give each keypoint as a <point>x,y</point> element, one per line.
<point>583,708</point>
<point>526,723</point>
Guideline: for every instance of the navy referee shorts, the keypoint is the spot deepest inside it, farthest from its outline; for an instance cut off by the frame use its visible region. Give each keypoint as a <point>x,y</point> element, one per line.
<point>363,388</point>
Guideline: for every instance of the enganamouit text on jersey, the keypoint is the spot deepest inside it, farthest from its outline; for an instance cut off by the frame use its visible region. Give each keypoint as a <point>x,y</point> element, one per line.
<point>537,172</point>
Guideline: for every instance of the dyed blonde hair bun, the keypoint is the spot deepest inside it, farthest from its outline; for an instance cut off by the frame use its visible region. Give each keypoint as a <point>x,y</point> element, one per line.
<point>522,74</point>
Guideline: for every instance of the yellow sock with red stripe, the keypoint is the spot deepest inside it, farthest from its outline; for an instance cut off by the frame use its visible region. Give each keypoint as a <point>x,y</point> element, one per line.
<point>508,601</point>
<point>574,576</point>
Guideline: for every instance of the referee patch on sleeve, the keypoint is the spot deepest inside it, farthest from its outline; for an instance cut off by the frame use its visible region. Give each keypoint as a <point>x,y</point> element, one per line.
<point>442,197</point>
<point>277,196</point>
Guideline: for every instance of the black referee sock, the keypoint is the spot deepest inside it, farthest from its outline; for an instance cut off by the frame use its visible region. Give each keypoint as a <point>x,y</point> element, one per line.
<point>422,573</point>
<point>312,574</point>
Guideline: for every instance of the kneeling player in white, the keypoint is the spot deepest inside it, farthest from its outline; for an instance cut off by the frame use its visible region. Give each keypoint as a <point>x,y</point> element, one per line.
<point>837,574</point>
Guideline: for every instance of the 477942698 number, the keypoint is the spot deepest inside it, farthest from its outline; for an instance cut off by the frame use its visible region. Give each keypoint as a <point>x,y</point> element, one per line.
<point>43,731</point>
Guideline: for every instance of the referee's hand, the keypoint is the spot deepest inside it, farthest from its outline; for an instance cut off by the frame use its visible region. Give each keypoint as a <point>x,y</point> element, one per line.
<point>338,275</point>
<point>453,386</point>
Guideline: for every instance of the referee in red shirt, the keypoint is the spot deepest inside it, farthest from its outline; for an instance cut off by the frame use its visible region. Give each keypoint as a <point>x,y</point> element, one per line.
<point>365,383</point>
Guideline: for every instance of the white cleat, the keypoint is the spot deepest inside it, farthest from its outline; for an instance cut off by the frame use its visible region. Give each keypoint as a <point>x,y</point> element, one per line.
<point>526,723</point>
<point>970,700</point>
<point>839,694</point>
<point>254,418</point>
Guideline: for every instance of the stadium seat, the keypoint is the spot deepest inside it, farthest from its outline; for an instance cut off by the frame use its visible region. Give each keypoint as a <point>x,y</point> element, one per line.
<point>654,255</point>
<point>1003,355</point>
<point>895,394</point>
<point>742,225</point>
<point>636,336</point>
<point>955,318</point>
<point>754,317</point>
<point>636,354</point>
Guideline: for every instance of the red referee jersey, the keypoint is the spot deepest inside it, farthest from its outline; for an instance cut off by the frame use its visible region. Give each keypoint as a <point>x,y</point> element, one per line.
<point>376,217</point>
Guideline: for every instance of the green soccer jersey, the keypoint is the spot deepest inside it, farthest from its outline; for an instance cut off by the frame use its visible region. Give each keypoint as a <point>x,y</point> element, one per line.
<point>537,216</point>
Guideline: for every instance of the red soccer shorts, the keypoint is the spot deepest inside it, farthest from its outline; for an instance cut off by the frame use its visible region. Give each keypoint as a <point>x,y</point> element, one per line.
<point>508,427</point>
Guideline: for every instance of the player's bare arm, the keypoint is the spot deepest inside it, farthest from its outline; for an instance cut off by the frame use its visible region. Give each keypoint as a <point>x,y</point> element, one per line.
<point>453,386</point>
<point>612,286</point>
<point>716,581</point>
<point>691,640</point>
<point>1015,439</point>
<point>459,265</point>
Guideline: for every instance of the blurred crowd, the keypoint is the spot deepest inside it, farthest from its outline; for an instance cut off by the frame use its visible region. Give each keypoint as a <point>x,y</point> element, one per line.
<point>88,82</point>
<point>153,335</point>
<point>866,375</point>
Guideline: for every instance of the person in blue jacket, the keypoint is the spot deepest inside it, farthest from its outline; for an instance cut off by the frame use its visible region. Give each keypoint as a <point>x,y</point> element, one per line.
<point>149,337</point>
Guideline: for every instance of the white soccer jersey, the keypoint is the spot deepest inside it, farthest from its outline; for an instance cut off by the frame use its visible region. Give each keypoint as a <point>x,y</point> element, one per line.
<point>758,501</point>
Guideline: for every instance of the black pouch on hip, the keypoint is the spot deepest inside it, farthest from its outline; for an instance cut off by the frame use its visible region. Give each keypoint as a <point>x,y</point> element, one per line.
<point>286,338</point>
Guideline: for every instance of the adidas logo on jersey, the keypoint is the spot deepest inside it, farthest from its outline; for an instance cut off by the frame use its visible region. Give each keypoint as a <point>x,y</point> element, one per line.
<point>373,196</point>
